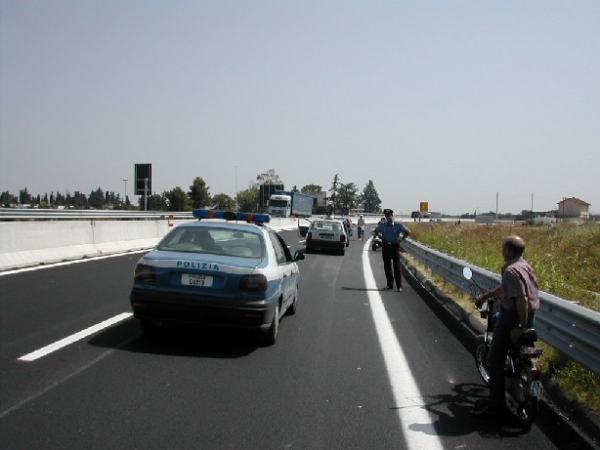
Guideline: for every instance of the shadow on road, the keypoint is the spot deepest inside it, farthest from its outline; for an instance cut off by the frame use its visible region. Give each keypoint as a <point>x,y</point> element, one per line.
<point>451,415</point>
<point>177,341</point>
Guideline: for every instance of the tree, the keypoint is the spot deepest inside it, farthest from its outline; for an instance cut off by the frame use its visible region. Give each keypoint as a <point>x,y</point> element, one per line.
<point>370,199</point>
<point>178,200</point>
<point>224,202</point>
<point>7,199</point>
<point>269,177</point>
<point>343,196</point>
<point>61,200</point>
<point>199,193</point>
<point>247,200</point>
<point>334,195</point>
<point>311,189</point>
<point>112,199</point>
<point>347,197</point>
<point>24,197</point>
<point>156,202</point>
<point>127,202</point>
<point>96,200</point>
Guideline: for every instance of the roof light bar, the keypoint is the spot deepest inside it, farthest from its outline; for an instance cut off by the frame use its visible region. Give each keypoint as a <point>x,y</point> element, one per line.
<point>230,215</point>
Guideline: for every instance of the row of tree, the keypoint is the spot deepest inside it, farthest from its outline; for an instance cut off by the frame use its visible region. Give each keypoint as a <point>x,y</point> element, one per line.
<point>340,198</point>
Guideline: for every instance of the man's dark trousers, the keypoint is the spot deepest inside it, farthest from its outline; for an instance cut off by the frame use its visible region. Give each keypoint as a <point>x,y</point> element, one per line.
<point>496,359</point>
<point>392,256</point>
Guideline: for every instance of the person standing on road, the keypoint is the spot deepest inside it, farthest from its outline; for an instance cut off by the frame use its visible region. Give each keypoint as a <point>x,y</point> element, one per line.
<point>519,296</point>
<point>390,232</point>
<point>348,222</point>
<point>361,227</point>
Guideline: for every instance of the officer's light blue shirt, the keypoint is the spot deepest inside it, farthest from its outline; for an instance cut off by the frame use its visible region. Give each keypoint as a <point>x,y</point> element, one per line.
<point>391,231</point>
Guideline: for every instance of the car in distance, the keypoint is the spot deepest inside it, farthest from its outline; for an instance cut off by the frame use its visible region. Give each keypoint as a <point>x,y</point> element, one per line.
<point>327,234</point>
<point>230,272</point>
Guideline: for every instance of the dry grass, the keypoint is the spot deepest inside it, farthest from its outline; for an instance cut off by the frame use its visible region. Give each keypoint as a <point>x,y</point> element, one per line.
<point>566,258</point>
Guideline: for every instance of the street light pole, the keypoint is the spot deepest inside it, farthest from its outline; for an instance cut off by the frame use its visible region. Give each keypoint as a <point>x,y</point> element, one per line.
<point>125,197</point>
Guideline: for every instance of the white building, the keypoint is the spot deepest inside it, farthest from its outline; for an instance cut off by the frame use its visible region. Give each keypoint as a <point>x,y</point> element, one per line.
<point>574,208</point>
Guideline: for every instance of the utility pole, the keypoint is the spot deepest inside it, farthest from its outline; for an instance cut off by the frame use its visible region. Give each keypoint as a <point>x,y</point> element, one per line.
<point>146,194</point>
<point>236,185</point>
<point>497,194</point>
<point>125,197</point>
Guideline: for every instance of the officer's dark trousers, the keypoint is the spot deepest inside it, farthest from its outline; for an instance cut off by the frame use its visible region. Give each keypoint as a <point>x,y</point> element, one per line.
<point>391,264</point>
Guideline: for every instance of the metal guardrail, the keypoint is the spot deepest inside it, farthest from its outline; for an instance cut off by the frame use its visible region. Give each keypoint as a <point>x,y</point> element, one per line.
<point>79,214</point>
<point>572,329</point>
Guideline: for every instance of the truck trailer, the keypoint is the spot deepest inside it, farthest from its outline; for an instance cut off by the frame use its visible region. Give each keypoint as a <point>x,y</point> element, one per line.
<point>290,204</point>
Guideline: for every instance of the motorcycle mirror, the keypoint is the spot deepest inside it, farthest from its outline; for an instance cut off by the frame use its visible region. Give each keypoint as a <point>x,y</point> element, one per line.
<point>467,273</point>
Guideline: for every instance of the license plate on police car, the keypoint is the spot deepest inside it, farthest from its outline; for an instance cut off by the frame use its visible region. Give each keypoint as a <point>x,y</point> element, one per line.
<point>536,388</point>
<point>192,279</point>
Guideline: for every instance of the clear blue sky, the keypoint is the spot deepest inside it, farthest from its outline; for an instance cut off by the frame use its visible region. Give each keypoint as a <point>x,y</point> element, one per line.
<point>448,102</point>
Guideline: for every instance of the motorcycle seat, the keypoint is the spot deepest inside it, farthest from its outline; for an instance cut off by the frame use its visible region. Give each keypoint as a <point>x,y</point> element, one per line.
<point>528,337</point>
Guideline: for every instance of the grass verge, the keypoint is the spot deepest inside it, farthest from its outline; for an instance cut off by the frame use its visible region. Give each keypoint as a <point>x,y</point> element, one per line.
<point>566,258</point>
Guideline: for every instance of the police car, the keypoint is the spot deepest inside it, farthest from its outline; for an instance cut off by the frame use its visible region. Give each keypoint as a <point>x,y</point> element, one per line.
<point>225,270</point>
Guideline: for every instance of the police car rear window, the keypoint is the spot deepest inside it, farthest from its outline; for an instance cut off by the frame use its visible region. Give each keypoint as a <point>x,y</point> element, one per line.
<point>228,242</point>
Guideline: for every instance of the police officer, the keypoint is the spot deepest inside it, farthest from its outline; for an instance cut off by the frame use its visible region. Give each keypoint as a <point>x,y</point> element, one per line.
<point>391,232</point>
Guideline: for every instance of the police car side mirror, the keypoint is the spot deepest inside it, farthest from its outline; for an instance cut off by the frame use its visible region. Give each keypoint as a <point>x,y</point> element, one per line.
<point>298,256</point>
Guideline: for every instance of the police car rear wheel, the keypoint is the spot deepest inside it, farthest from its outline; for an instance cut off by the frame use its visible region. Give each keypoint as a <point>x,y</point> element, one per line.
<point>292,309</point>
<point>270,336</point>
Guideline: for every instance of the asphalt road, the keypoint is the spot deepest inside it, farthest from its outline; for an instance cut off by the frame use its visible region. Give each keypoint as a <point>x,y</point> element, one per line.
<point>355,368</point>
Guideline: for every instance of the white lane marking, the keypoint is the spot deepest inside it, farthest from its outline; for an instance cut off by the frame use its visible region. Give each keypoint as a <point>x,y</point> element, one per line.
<point>48,388</point>
<point>73,338</point>
<point>416,424</point>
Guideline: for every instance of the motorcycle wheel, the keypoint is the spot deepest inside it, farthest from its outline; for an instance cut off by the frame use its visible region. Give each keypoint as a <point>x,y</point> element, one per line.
<point>481,352</point>
<point>528,413</point>
<point>528,409</point>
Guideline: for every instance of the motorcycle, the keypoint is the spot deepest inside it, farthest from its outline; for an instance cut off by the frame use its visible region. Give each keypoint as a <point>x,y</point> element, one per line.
<point>376,242</point>
<point>521,376</point>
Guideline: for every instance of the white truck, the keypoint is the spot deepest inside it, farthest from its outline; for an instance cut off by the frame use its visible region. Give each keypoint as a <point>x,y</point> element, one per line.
<point>290,204</point>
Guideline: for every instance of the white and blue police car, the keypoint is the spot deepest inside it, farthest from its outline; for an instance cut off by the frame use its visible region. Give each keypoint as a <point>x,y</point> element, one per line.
<point>232,271</point>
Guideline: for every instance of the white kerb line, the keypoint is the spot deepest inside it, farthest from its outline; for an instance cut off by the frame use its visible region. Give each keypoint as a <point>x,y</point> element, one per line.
<point>73,338</point>
<point>410,407</point>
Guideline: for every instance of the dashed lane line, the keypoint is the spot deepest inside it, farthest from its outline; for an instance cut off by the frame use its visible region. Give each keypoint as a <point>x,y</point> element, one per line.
<point>73,338</point>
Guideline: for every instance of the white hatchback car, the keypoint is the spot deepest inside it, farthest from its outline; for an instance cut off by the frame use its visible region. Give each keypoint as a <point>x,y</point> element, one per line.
<point>327,234</point>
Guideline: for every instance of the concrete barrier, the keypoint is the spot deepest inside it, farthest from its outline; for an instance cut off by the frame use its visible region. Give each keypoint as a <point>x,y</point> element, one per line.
<point>32,243</point>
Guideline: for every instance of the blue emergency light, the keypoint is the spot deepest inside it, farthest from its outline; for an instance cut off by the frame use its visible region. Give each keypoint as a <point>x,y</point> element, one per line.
<point>230,215</point>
